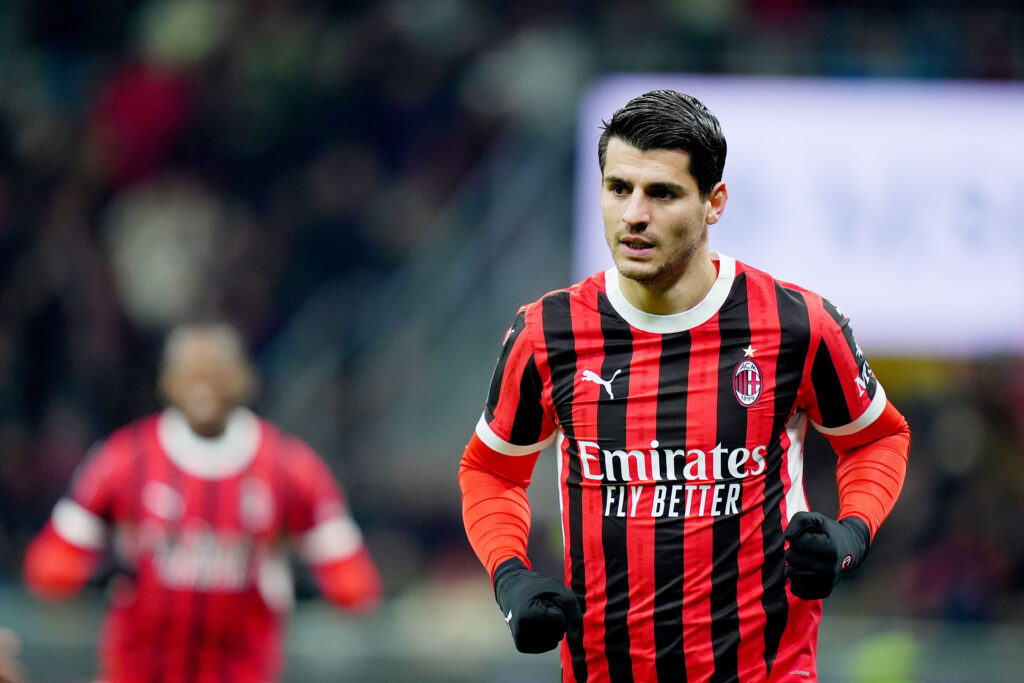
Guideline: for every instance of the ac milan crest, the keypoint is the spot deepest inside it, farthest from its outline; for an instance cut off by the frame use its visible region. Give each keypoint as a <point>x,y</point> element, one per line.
<point>255,505</point>
<point>747,382</point>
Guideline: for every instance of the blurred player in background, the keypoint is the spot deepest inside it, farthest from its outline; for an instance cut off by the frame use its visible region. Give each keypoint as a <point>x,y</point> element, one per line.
<point>203,500</point>
<point>679,385</point>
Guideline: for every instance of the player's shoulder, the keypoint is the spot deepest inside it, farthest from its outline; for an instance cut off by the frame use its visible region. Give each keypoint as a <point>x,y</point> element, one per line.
<point>283,445</point>
<point>113,455</point>
<point>783,288</point>
<point>132,435</point>
<point>582,293</point>
<point>820,310</point>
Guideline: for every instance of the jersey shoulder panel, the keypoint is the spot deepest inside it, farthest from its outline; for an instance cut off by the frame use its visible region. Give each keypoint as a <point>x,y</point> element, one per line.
<point>848,396</point>
<point>518,416</point>
<point>309,488</point>
<point>107,466</point>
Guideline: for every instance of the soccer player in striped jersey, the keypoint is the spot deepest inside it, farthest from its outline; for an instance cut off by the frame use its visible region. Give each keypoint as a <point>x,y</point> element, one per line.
<point>678,386</point>
<point>204,501</point>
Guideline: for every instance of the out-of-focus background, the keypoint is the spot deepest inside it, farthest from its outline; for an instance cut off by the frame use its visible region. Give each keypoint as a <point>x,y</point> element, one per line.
<point>369,191</point>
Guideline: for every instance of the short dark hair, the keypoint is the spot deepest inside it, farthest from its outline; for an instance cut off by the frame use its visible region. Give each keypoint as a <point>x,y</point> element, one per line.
<point>666,119</point>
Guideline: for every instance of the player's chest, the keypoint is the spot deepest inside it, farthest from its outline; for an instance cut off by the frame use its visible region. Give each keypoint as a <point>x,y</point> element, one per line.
<point>246,504</point>
<point>651,367</point>
<point>697,376</point>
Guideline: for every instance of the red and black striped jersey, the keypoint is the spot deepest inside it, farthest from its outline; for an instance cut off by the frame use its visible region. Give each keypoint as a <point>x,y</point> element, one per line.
<point>200,528</point>
<point>680,458</point>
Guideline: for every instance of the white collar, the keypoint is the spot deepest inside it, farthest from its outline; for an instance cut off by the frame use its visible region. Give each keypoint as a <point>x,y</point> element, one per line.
<point>676,322</point>
<point>214,458</point>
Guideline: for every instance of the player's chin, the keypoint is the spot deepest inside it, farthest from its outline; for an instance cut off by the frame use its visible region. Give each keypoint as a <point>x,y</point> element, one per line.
<point>642,271</point>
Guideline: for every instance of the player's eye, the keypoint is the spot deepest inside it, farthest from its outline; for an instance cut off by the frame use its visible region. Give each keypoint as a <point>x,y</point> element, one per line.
<point>618,189</point>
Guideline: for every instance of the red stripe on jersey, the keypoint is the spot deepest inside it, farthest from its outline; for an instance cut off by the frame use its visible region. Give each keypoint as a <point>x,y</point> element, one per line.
<point>698,557</point>
<point>641,429</point>
<point>798,653</point>
<point>186,606</point>
<point>765,346</point>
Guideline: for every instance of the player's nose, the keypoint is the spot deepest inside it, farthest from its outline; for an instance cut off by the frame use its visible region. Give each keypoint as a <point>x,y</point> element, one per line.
<point>637,213</point>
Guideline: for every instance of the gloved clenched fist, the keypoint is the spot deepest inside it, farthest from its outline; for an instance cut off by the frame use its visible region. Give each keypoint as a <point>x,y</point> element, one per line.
<point>537,608</point>
<point>821,550</point>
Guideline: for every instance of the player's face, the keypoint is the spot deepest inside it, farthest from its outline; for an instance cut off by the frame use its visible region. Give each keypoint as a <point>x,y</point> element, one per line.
<point>654,218</point>
<point>206,381</point>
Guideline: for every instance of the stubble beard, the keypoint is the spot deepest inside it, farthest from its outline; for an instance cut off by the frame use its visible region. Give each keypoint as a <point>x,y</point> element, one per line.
<point>669,273</point>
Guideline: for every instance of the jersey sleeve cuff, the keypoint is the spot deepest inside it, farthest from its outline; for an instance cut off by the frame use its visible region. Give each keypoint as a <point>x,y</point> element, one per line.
<point>872,413</point>
<point>332,539</point>
<point>79,526</point>
<point>496,443</point>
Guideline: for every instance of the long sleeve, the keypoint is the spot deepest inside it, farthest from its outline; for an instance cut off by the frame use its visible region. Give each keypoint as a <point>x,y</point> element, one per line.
<point>871,468</point>
<point>55,568</point>
<point>495,507</point>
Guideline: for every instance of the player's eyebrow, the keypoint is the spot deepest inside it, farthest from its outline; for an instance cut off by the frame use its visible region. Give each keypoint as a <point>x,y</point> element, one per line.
<point>614,180</point>
<point>673,188</point>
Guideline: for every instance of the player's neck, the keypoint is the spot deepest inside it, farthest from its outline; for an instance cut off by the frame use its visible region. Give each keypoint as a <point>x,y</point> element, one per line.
<point>681,294</point>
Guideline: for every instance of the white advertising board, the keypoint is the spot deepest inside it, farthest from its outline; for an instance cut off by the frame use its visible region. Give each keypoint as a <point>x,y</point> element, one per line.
<point>901,201</point>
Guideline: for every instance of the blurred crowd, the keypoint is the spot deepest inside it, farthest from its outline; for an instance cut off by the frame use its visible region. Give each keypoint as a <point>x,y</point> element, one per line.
<point>169,159</point>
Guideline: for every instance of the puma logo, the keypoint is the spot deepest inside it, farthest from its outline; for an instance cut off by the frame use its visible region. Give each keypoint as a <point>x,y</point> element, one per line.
<point>591,376</point>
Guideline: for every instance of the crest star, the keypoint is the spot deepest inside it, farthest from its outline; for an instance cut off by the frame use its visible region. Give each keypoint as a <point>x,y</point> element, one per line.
<point>748,352</point>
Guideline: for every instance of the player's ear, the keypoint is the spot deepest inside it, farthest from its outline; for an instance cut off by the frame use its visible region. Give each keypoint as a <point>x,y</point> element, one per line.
<point>716,200</point>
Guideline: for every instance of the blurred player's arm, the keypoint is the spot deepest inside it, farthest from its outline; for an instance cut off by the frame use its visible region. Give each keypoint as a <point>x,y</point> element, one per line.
<point>329,540</point>
<point>341,564</point>
<point>65,554</point>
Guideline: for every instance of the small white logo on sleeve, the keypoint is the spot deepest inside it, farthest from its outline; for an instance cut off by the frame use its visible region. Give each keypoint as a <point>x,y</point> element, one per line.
<point>508,619</point>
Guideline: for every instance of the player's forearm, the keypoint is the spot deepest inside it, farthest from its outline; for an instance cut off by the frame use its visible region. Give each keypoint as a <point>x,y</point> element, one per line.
<point>351,582</point>
<point>495,507</point>
<point>55,569</point>
<point>870,477</point>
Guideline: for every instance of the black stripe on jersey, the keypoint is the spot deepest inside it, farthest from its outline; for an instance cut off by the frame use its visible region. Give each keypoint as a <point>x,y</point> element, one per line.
<point>828,389</point>
<point>527,425</point>
<point>669,658</point>
<point>494,391</point>
<point>795,338</point>
<point>862,364</point>
<point>560,345</point>
<point>611,420</point>
<point>734,332</point>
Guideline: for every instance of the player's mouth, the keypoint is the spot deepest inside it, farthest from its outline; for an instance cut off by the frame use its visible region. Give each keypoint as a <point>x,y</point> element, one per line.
<point>633,246</point>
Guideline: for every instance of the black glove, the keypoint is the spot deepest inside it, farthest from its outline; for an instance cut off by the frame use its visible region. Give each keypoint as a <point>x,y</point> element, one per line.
<point>537,608</point>
<point>821,550</point>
